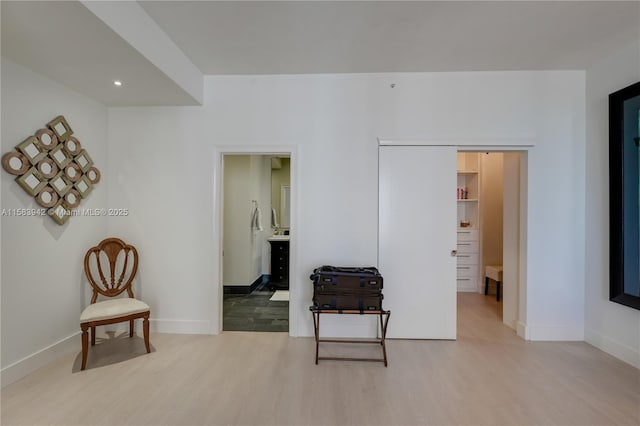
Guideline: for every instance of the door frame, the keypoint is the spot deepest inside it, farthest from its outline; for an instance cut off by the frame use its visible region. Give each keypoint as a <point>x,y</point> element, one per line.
<point>521,145</point>
<point>219,152</point>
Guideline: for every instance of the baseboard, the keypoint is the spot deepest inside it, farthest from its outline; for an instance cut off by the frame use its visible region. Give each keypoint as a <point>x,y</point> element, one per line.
<point>345,326</point>
<point>30,363</point>
<point>168,326</point>
<point>245,289</point>
<point>613,348</point>
<point>521,330</point>
<point>550,333</point>
<point>179,326</point>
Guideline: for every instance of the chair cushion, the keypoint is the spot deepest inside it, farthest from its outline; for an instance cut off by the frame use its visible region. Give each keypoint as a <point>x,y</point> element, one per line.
<point>494,272</point>
<point>113,308</point>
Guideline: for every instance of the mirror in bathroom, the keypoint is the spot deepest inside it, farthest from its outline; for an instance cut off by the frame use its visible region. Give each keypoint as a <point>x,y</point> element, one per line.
<point>280,178</point>
<point>285,206</point>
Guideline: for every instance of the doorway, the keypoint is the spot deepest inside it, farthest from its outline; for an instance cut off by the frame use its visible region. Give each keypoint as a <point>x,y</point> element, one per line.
<point>255,242</point>
<point>490,232</point>
<point>417,242</point>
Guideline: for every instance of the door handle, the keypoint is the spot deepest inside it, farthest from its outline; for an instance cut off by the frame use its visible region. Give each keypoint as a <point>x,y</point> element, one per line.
<point>454,253</point>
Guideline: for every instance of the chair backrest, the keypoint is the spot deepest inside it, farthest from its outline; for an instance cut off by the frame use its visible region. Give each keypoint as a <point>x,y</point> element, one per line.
<point>109,269</point>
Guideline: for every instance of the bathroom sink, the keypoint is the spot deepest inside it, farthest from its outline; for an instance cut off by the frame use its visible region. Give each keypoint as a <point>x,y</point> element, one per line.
<point>279,238</point>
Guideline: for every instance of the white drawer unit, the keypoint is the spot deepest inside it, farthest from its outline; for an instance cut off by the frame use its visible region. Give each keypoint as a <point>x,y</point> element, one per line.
<point>467,260</point>
<point>466,285</point>
<point>468,235</point>
<point>467,271</point>
<point>467,246</point>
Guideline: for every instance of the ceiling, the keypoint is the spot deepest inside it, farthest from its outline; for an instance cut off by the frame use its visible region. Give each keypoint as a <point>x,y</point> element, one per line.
<point>69,44</point>
<point>72,43</point>
<point>357,37</point>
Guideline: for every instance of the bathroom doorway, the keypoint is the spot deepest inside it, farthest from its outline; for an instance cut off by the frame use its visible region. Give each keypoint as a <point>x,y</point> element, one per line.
<point>255,234</point>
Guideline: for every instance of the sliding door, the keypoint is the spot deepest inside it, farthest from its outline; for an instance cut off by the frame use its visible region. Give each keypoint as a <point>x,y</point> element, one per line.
<point>417,233</point>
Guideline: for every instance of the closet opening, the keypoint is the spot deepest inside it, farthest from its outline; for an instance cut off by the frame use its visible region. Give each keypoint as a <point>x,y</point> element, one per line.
<point>256,232</point>
<point>491,237</point>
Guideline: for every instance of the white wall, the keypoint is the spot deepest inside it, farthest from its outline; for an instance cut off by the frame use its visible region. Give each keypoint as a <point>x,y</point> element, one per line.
<point>491,195</point>
<point>610,326</point>
<point>43,284</point>
<point>246,178</point>
<point>237,219</point>
<point>166,157</point>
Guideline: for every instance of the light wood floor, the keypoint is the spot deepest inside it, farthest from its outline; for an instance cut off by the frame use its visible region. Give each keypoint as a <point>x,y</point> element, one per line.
<point>487,377</point>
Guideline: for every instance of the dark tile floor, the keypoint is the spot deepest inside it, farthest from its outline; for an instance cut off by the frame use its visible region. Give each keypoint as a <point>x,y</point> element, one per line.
<point>254,312</point>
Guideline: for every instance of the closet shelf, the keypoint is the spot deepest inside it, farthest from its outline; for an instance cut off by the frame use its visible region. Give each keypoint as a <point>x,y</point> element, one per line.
<point>468,238</point>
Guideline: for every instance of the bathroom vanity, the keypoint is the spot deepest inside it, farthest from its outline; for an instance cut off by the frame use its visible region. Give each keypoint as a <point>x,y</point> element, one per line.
<point>279,262</point>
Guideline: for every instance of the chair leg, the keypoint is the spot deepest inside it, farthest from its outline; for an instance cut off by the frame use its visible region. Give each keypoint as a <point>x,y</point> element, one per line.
<point>498,291</point>
<point>131,328</point>
<point>85,344</point>
<point>93,336</point>
<point>145,330</point>
<point>486,286</point>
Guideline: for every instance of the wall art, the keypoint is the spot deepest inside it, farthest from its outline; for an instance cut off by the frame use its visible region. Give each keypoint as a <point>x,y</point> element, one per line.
<point>54,168</point>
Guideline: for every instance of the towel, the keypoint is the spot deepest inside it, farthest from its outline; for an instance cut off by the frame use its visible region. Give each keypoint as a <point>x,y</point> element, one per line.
<point>256,220</point>
<point>274,219</point>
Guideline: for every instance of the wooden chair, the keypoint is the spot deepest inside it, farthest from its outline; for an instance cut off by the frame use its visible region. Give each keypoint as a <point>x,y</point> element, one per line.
<point>117,255</point>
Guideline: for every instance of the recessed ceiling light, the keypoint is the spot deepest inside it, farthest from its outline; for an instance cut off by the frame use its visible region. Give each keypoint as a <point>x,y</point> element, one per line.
<point>117,83</point>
